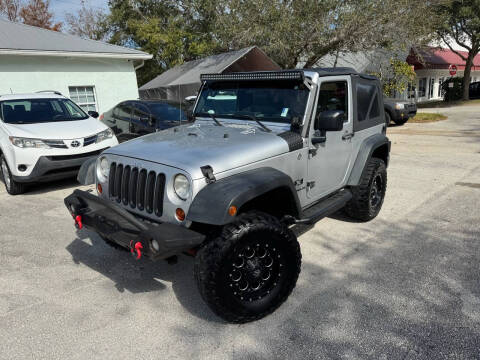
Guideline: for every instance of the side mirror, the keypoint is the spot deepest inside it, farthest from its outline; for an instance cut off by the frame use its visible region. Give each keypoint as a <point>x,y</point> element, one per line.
<point>330,120</point>
<point>93,114</point>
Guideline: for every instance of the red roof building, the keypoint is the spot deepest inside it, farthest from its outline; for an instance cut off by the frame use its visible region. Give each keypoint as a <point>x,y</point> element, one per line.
<point>433,66</point>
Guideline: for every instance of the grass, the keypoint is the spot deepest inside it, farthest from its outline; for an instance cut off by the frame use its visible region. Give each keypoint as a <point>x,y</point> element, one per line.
<point>443,104</point>
<point>427,117</point>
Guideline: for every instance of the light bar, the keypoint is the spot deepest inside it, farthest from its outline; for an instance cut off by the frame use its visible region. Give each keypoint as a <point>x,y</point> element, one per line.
<point>256,75</point>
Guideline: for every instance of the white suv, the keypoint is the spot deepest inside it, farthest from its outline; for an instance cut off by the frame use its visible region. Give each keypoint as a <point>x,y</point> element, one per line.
<point>45,136</point>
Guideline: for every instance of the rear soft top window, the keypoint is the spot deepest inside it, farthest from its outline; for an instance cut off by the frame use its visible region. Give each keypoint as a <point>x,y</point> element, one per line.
<point>31,111</point>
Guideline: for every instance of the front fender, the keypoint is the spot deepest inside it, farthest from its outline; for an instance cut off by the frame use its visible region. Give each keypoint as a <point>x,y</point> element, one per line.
<point>86,174</point>
<point>211,204</point>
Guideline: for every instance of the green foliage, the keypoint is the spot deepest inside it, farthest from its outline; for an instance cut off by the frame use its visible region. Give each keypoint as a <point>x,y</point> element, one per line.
<point>172,31</point>
<point>454,93</point>
<point>396,77</point>
<point>459,22</point>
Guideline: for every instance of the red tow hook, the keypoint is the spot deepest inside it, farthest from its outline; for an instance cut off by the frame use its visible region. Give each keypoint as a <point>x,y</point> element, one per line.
<point>78,222</point>
<point>136,249</point>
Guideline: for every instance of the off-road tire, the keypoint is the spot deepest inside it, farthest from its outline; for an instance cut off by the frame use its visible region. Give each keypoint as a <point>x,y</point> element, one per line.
<point>360,207</point>
<point>400,122</point>
<point>13,187</point>
<point>215,263</point>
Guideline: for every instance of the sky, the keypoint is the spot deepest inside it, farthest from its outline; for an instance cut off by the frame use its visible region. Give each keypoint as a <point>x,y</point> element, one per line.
<point>61,7</point>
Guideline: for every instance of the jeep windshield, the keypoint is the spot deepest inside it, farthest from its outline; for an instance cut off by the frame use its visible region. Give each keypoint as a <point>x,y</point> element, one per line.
<point>273,101</point>
<point>40,111</point>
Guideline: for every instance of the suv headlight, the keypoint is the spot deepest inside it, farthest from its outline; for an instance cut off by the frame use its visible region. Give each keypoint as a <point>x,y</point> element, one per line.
<point>181,186</point>
<point>28,143</point>
<point>104,135</point>
<point>103,169</point>
<point>399,106</point>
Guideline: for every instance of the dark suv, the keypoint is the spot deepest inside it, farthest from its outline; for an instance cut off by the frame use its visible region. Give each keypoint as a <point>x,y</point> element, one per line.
<point>131,119</point>
<point>475,90</point>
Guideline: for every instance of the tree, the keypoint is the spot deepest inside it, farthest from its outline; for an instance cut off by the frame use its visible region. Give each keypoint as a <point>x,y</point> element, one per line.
<point>395,76</point>
<point>172,31</point>
<point>10,9</point>
<point>460,24</point>
<point>36,13</point>
<point>300,32</point>
<point>88,22</point>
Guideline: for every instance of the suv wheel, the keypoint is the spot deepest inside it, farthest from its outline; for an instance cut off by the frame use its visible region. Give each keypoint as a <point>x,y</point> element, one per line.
<point>250,269</point>
<point>369,195</point>
<point>388,118</point>
<point>400,122</point>
<point>13,187</point>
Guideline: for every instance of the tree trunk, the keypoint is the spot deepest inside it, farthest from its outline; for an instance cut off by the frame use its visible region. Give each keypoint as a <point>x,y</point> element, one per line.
<point>466,75</point>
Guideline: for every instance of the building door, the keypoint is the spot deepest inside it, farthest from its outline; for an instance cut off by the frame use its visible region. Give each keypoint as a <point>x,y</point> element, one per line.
<point>422,84</point>
<point>440,92</point>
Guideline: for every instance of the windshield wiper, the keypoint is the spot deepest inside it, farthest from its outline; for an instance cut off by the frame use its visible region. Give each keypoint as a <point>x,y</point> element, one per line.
<point>254,118</point>
<point>218,123</point>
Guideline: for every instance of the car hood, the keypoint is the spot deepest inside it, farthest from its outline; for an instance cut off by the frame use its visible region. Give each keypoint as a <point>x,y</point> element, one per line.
<point>189,147</point>
<point>61,130</point>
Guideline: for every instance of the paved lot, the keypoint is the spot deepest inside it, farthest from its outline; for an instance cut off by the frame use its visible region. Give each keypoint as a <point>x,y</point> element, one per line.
<point>405,286</point>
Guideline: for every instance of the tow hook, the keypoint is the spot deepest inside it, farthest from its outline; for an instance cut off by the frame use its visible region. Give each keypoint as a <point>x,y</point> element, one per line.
<point>78,222</point>
<point>136,249</point>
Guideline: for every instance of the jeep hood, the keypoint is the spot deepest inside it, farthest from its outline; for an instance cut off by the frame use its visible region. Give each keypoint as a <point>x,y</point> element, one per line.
<point>189,147</point>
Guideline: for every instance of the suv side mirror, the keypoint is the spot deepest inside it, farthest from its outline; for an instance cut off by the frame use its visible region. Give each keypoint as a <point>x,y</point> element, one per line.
<point>330,120</point>
<point>93,114</point>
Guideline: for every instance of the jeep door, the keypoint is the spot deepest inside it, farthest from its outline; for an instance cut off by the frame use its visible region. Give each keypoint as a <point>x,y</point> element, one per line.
<point>329,161</point>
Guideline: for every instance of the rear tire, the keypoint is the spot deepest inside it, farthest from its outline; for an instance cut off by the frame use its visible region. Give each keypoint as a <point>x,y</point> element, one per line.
<point>368,196</point>
<point>250,269</point>
<point>13,187</point>
<point>400,122</point>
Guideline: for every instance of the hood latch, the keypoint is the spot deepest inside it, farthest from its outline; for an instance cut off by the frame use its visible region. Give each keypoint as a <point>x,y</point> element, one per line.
<point>207,171</point>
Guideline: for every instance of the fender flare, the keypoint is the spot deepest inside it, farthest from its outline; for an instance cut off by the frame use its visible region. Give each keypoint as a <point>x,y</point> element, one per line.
<point>86,174</point>
<point>211,204</point>
<point>368,146</point>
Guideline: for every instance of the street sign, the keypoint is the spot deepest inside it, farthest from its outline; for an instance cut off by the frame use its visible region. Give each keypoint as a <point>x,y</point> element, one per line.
<point>453,70</point>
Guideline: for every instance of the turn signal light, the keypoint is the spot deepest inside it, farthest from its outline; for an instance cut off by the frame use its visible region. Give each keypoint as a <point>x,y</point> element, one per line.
<point>101,117</point>
<point>180,214</point>
<point>99,188</point>
<point>232,210</point>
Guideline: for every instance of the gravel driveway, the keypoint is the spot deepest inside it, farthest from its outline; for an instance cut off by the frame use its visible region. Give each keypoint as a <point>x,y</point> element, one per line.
<point>404,286</point>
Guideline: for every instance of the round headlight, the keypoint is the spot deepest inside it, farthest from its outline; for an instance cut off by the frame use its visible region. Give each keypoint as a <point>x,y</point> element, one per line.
<point>103,169</point>
<point>181,185</point>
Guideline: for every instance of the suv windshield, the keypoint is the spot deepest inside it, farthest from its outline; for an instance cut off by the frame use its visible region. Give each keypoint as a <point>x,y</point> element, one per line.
<point>277,101</point>
<point>40,111</point>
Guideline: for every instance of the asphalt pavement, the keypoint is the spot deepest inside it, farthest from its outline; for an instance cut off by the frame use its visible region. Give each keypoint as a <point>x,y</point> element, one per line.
<point>404,286</point>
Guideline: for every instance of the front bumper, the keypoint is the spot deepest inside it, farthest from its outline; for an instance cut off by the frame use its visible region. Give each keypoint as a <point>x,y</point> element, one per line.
<point>121,227</point>
<point>50,168</point>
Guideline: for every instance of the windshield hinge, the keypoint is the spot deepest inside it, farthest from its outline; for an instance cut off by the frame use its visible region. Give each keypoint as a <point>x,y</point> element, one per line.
<point>207,171</point>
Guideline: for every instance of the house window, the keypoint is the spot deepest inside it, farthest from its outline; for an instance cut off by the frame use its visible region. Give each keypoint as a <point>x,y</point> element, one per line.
<point>440,90</point>
<point>422,84</point>
<point>430,87</point>
<point>84,96</point>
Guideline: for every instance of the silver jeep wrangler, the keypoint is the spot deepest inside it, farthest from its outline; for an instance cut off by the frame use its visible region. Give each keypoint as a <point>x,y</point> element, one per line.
<point>269,153</point>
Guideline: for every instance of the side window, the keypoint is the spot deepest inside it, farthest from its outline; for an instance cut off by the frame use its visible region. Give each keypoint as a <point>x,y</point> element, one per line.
<point>122,111</point>
<point>141,113</point>
<point>365,94</point>
<point>333,96</point>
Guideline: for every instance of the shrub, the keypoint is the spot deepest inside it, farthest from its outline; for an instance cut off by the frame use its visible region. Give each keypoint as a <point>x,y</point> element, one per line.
<point>452,92</point>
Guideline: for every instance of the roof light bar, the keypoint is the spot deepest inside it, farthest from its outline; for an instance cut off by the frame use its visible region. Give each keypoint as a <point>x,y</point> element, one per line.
<point>257,75</point>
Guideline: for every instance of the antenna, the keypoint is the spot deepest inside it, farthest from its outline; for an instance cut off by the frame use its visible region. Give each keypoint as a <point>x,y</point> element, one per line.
<point>11,91</point>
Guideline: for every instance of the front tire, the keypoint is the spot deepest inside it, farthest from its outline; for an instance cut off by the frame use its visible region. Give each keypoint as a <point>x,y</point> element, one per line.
<point>388,118</point>
<point>13,187</point>
<point>368,196</point>
<point>250,269</point>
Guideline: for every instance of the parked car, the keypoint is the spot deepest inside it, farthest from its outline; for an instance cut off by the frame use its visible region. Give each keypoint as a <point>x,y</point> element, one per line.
<point>399,111</point>
<point>291,148</point>
<point>45,136</point>
<point>474,90</point>
<point>134,118</point>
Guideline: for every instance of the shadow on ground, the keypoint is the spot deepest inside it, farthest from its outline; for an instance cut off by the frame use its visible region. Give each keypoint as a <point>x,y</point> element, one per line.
<point>402,290</point>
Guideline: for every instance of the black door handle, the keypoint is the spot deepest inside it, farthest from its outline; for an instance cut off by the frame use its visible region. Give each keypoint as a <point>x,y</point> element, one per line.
<point>347,136</point>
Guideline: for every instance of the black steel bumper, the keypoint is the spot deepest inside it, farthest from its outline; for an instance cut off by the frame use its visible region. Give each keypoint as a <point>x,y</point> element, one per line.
<point>121,227</point>
<point>57,167</point>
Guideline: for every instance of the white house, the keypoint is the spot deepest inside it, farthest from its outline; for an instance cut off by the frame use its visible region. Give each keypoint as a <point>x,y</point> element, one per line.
<point>94,74</point>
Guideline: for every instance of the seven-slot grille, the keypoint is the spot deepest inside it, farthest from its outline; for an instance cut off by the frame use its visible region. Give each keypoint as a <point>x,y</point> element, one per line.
<point>138,188</point>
